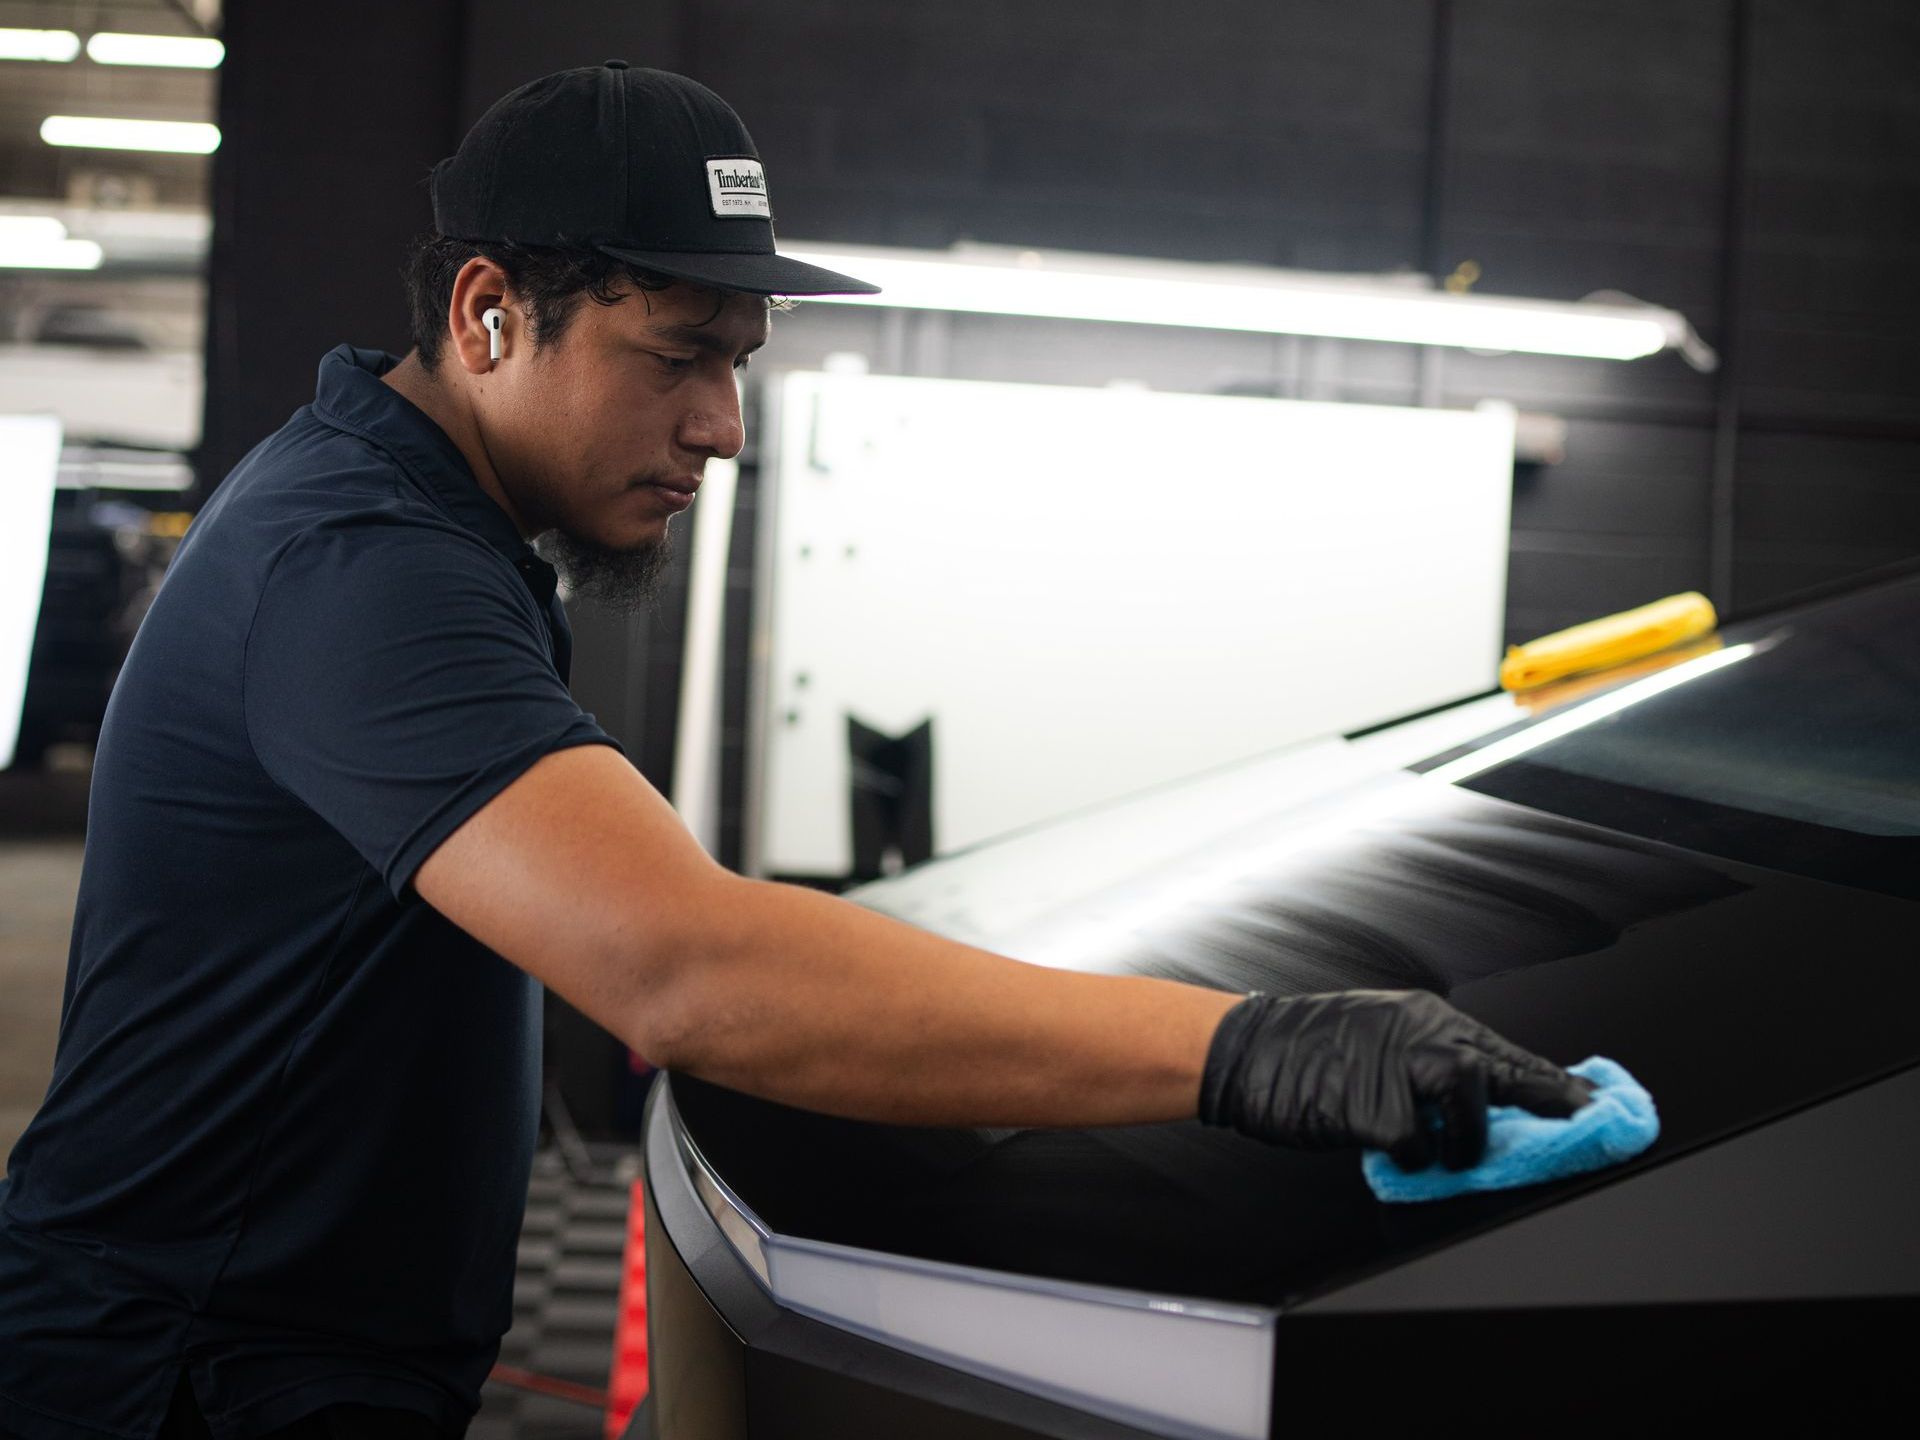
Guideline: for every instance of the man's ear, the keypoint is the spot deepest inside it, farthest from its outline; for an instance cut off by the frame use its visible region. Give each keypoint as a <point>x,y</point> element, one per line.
<point>480,286</point>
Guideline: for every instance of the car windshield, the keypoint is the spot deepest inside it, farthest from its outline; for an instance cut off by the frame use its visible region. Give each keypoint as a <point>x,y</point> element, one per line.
<point>1791,742</point>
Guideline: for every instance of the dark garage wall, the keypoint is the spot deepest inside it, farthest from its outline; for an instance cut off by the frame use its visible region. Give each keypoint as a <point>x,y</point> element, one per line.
<point>1586,146</point>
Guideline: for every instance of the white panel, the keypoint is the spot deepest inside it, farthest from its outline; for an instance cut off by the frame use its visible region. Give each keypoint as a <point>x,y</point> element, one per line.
<point>1093,591</point>
<point>29,460</point>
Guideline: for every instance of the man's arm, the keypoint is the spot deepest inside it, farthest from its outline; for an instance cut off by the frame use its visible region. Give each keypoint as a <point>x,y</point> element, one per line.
<point>582,874</point>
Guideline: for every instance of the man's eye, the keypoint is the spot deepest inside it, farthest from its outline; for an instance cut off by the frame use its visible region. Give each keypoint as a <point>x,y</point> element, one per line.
<point>673,363</point>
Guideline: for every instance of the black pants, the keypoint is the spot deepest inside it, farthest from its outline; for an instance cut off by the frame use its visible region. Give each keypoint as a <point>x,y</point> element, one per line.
<point>336,1422</point>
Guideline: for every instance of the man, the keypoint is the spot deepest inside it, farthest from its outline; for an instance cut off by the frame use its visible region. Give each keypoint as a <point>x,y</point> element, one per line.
<point>346,819</point>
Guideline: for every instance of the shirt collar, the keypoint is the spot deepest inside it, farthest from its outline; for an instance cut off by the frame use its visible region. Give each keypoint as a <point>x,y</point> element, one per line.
<point>351,397</point>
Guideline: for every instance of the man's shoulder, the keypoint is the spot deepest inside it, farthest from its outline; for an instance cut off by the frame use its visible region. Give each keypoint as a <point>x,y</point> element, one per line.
<point>309,488</point>
<point>356,580</point>
<point>322,527</point>
<point>389,565</point>
<point>311,467</point>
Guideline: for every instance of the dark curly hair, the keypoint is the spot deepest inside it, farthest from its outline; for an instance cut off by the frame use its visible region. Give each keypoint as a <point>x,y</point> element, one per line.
<point>549,282</point>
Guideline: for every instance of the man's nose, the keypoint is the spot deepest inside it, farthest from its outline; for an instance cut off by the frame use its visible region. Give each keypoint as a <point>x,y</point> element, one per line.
<point>714,426</point>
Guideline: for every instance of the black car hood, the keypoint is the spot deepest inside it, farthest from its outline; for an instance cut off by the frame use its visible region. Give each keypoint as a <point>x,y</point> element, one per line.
<point>1737,995</point>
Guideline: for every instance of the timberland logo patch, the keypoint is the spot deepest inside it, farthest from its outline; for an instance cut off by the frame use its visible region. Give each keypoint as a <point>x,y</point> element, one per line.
<point>739,189</point>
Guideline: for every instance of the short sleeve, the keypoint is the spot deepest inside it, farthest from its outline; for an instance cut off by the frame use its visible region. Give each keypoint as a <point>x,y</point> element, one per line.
<point>397,678</point>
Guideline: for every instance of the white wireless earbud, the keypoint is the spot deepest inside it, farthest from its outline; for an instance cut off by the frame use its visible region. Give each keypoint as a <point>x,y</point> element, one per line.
<point>493,318</point>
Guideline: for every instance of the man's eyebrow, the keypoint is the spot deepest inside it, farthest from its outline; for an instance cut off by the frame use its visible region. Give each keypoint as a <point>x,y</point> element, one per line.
<point>701,339</point>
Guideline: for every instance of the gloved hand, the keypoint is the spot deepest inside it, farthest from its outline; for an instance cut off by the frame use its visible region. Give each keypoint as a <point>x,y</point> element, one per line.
<point>1394,1070</point>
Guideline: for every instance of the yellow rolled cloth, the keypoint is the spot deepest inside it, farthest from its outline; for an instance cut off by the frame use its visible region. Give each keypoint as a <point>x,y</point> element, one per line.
<point>1609,641</point>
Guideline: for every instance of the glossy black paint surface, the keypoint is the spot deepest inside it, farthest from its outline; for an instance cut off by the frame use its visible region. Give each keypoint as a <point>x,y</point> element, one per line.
<point>1795,746</point>
<point>1702,867</point>
<point>1735,994</point>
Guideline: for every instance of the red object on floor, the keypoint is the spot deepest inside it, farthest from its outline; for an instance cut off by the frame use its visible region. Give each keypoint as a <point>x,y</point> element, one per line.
<point>627,1381</point>
<point>538,1384</point>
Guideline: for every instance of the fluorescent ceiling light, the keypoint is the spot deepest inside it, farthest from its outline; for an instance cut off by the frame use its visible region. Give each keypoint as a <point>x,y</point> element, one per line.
<point>57,45</point>
<point>1057,285</point>
<point>184,137</point>
<point>179,51</point>
<point>53,255</point>
<point>167,239</point>
<point>28,252</point>
<point>31,230</point>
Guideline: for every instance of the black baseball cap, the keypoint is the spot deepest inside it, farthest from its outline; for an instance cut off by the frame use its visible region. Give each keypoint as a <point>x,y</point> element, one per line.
<point>644,165</point>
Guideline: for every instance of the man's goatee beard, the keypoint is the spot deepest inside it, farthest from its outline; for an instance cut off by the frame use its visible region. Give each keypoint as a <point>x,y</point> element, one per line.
<point>624,581</point>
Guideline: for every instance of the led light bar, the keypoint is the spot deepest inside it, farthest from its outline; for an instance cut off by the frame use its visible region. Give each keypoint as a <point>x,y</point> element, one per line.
<point>180,137</point>
<point>59,255</point>
<point>39,242</point>
<point>1056,285</point>
<point>55,45</point>
<point>31,229</point>
<point>174,51</point>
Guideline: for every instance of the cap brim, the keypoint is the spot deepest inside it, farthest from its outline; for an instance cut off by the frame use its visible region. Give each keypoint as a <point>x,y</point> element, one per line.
<point>754,274</point>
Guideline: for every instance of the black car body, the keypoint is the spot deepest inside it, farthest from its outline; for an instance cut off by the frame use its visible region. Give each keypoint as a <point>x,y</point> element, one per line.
<point>1706,867</point>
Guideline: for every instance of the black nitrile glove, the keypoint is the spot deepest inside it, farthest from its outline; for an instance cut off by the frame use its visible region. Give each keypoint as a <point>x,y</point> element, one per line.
<point>1394,1070</point>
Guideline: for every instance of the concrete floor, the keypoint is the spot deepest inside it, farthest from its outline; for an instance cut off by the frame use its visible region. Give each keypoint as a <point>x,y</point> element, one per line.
<point>43,821</point>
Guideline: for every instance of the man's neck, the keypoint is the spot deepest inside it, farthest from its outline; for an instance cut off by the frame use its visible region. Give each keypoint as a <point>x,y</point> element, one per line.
<point>451,412</point>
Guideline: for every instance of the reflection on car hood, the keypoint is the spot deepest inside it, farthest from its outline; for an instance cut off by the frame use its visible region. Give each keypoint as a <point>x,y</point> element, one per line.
<point>1735,994</point>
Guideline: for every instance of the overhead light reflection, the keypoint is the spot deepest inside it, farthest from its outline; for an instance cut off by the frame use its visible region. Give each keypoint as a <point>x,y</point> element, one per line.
<point>1547,731</point>
<point>1090,935</point>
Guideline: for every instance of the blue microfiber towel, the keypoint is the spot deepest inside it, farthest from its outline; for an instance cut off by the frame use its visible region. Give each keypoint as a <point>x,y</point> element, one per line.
<point>1615,1124</point>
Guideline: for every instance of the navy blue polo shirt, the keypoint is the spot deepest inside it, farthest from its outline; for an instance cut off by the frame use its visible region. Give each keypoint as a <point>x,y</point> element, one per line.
<point>287,1139</point>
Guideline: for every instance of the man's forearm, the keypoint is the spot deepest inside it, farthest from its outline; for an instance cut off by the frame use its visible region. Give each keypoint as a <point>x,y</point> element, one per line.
<point>810,1000</point>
